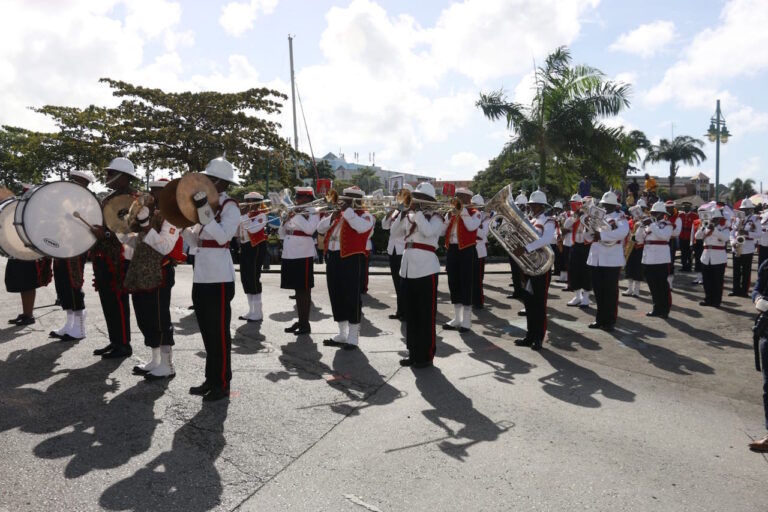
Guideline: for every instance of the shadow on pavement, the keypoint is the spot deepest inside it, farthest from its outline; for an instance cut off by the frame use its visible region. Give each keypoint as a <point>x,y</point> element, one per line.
<point>504,366</point>
<point>182,478</point>
<point>577,385</point>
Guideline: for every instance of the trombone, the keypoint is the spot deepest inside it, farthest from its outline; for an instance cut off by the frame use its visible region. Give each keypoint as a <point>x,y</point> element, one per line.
<point>452,206</point>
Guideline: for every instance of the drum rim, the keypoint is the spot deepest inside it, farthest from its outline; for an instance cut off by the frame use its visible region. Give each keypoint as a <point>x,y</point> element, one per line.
<point>29,195</point>
<point>3,205</point>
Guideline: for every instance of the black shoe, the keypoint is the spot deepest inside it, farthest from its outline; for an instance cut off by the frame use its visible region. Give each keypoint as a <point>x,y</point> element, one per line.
<point>119,352</point>
<point>536,346</point>
<point>449,327</point>
<point>149,376</point>
<point>67,337</point>
<point>396,316</point>
<point>524,342</point>
<point>191,308</point>
<point>733,294</point>
<point>241,317</point>
<point>595,325</point>
<point>200,390</point>
<point>462,330</point>
<point>511,297</point>
<point>651,313</point>
<point>291,296</point>
<point>25,320</point>
<point>54,334</point>
<point>608,328</point>
<point>330,342</point>
<point>138,370</point>
<point>406,362</point>
<point>522,312</point>
<point>16,320</point>
<point>423,364</point>
<point>303,329</point>
<point>704,303</point>
<point>292,327</point>
<point>216,394</point>
<point>104,350</point>
<point>349,346</point>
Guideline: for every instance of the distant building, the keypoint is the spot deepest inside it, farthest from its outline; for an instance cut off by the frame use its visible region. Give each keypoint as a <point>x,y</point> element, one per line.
<point>697,185</point>
<point>346,171</point>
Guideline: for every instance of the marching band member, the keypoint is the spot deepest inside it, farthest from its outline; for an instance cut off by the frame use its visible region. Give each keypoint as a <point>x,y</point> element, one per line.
<point>686,236</point>
<point>633,270</point>
<point>297,262</point>
<point>392,222</point>
<point>420,270</point>
<point>346,234</point>
<point>517,276</point>
<point>567,243</point>
<point>657,260</point>
<point>762,249</point>
<point>213,282</point>
<point>557,244</point>
<point>742,265</point>
<point>253,248</point>
<point>606,257</point>
<point>152,304</point>
<point>579,280</point>
<point>25,277</point>
<point>110,258</point>
<point>68,279</point>
<point>713,258</point>
<point>677,225</point>
<point>537,288</point>
<point>478,297</point>
<point>460,241</point>
<point>698,248</point>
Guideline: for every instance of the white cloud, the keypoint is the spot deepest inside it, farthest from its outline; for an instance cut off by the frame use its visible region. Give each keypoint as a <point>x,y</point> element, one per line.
<point>746,120</point>
<point>734,49</point>
<point>646,40</point>
<point>627,77</point>
<point>467,161</point>
<point>237,17</point>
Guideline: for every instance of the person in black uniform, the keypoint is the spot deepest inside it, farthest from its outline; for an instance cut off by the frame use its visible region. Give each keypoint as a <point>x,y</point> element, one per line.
<point>24,278</point>
<point>253,248</point>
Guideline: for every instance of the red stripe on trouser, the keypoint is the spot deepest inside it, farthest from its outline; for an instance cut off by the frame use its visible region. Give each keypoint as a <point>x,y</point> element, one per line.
<point>669,293</point>
<point>546,296</point>
<point>224,383</point>
<point>482,278</point>
<point>432,319</point>
<point>122,317</point>
<point>616,302</point>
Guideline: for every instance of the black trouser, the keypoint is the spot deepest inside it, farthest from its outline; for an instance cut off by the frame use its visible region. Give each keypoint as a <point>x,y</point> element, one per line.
<point>685,254</point>
<point>251,260</point>
<point>605,283</point>
<point>478,298</point>
<point>420,307</point>
<point>153,311</point>
<point>115,305</point>
<point>742,273</point>
<point>70,293</point>
<point>712,278</point>
<point>344,277</point>
<point>459,266</point>
<point>536,307</point>
<point>672,254</point>
<point>762,254</point>
<point>656,277</point>
<point>764,368</point>
<point>578,270</point>
<point>558,266</point>
<point>698,248</point>
<point>394,269</point>
<point>566,257</point>
<point>214,314</point>
<point>516,276</point>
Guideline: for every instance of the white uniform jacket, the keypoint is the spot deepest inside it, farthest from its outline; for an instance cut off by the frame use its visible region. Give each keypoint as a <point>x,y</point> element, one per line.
<point>677,228</point>
<point>418,262</point>
<point>714,245</point>
<point>214,264</point>
<point>545,227</point>
<point>656,239</point>
<point>251,225</point>
<point>603,255</point>
<point>297,246</point>
<point>360,223</point>
<point>577,233</point>
<point>393,222</point>
<point>164,241</point>
<point>763,242</point>
<point>482,237</point>
<point>752,226</point>
<point>471,222</point>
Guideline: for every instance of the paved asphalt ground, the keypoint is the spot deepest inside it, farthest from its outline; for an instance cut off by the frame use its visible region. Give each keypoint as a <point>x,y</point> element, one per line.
<point>654,417</point>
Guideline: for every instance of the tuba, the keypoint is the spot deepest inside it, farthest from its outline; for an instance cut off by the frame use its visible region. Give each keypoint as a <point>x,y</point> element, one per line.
<point>513,230</point>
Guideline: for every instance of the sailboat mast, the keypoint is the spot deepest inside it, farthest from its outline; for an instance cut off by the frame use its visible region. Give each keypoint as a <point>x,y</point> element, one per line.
<point>293,96</point>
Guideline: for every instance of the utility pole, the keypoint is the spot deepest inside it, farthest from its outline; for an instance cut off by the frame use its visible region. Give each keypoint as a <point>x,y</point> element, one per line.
<point>293,101</point>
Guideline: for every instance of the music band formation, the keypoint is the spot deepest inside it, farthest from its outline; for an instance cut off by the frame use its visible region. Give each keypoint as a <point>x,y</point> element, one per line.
<point>134,239</point>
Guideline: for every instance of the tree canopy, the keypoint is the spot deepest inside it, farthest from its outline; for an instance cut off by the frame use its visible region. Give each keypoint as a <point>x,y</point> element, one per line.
<point>682,148</point>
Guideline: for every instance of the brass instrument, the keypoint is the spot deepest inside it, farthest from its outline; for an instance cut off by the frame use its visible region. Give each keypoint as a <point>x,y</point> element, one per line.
<point>738,244</point>
<point>641,219</point>
<point>282,204</point>
<point>595,221</point>
<point>452,206</point>
<point>705,216</point>
<point>560,220</point>
<point>513,230</point>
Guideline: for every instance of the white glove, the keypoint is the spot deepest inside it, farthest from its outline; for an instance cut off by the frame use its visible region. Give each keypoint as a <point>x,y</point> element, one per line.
<point>143,217</point>
<point>204,211</point>
<point>761,304</point>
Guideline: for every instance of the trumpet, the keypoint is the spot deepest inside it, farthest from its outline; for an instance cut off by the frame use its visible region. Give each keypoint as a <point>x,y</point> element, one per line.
<point>452,206</point>
<point>738,244</point>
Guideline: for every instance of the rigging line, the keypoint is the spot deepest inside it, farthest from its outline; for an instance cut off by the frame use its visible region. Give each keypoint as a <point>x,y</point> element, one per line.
<point>306,128</point>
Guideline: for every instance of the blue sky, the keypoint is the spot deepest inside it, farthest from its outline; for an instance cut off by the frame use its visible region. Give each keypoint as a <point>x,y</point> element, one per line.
<point>400,78</point>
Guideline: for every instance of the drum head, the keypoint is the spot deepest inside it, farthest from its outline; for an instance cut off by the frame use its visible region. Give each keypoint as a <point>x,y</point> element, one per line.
<point>9,235</point>
<point>189,185</point>
<point>116,211</point>
<point>170,209</point>
<point>49,223</point>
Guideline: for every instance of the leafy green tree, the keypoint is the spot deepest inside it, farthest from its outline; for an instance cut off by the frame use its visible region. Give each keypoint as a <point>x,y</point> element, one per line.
<point>25,157</point>
<point>740,189</point>
<point>682,149</point>
<point>561,123</point>
<point>367,180</point>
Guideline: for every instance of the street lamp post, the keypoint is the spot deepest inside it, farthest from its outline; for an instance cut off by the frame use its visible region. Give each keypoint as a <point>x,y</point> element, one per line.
<point>717,133</point>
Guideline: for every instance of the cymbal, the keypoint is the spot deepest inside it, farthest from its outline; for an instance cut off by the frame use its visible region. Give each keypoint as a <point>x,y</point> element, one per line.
<point>189,185</point>
<point>169,208</point>
<point>116,211</point>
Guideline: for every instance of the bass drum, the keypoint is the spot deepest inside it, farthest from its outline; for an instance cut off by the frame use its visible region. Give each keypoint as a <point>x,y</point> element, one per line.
<point>45,219</point>
<point>10,242</point>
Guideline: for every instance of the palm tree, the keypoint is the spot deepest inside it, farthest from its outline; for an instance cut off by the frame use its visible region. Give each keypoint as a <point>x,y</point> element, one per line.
<point>682,148</point>
<point>741,189</point>
<point>563,114</point>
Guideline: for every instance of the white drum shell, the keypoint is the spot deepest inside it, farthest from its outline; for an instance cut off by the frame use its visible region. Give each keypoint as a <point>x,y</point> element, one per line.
<point>10,242</point>
<point>45,219</point>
